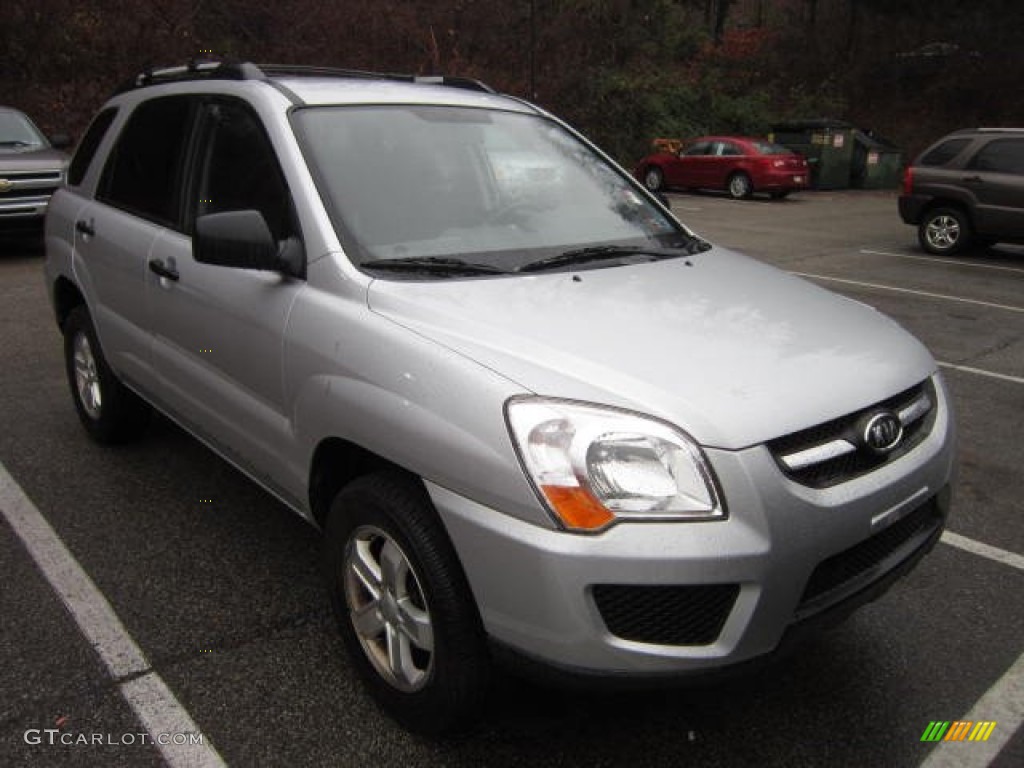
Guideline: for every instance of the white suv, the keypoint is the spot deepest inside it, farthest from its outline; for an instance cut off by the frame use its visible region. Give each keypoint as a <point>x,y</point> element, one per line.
<point>535,416</point>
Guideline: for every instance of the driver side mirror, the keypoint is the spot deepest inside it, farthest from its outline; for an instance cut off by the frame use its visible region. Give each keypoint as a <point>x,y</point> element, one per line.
<point>242,239</point>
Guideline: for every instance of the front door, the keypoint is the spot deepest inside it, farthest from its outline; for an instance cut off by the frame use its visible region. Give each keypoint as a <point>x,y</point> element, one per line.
<point>217,331</point>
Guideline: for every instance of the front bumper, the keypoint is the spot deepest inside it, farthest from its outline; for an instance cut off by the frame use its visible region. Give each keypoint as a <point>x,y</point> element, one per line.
<point>786,554</point>
<point>23,210</point>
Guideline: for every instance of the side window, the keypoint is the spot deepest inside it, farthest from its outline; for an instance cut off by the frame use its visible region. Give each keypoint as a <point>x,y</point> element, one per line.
<point>700,148</point>
<point>240,170</point>
<point>1001,156</point>
<point>144,171</point>
<point>730,150</point>
<point>88,146</point>
<point>945,152</point>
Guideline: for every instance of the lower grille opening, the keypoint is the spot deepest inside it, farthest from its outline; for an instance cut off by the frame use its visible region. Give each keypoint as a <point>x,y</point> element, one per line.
<point>856,567</point>
<point>666,615</point>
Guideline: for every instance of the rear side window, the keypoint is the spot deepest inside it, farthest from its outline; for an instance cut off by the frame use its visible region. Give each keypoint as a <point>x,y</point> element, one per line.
<point>88,146</point>
<point>1000,156</point>
<point>943,153</point>
<point>143,173</point>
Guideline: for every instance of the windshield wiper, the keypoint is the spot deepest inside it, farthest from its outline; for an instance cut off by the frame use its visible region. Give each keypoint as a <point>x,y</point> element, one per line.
<point>601,252</point>
<point>443,265</point>
<point>15,143</point>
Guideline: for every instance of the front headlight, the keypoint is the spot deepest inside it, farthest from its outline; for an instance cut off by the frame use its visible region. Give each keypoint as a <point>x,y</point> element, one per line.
<point>594,466</point>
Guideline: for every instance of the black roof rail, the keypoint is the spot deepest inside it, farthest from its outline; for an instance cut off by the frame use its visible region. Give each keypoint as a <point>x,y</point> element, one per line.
<point>994,129</point>
<point>210,69</point>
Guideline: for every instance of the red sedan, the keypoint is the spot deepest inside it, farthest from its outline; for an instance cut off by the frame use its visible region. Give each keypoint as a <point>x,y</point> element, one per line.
<point>737,164</point>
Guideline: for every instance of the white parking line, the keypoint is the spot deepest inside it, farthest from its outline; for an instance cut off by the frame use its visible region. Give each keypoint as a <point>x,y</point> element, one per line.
<point>927,294</point>
<point>981,372</point>
<point>948,262</point>
<point>1003,703</point>
<point>147,694</point>
<point>983,550</point>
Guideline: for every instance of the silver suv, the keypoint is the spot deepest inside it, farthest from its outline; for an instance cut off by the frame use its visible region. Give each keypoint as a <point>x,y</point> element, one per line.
<point>537,418</point>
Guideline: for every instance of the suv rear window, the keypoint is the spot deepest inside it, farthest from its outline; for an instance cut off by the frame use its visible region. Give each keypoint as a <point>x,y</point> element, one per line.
<point>1001,156</point>
<point>141,175</point>
<point>90,143</point>
<point>943,153</point>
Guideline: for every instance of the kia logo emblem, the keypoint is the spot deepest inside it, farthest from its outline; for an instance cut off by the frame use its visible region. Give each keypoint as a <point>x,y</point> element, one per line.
<point>882,432</point>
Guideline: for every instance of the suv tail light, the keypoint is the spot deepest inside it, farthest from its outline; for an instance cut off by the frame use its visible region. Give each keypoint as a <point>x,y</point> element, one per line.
<point>908,180</point>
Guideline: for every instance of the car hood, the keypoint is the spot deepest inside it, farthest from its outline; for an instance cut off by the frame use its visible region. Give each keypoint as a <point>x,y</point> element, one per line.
<point>31,159</point>
<point>731,350</point>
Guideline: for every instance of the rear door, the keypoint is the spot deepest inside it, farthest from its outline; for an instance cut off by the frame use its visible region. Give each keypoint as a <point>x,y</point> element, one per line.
<point>727,157</point>
<point>137,199</point>
<point>995,174</point>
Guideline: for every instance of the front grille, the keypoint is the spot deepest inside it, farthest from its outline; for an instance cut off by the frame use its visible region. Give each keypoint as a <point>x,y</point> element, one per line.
<point>666,615</point>
<point>856,567</point>
<point>22,176</point>
<point>22,192</point>
<point>832,470</point>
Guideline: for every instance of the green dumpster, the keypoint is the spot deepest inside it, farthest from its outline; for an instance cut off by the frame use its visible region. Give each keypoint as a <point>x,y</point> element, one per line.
<point>827,144</point>
<point>841,155</point>
<point>877,163</point>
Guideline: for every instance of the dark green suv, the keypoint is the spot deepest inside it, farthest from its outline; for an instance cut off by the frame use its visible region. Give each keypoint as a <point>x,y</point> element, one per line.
<point>967,188</point>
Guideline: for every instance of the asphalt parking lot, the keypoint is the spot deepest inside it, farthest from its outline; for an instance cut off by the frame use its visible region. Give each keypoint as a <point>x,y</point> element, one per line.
<point>217,587</point>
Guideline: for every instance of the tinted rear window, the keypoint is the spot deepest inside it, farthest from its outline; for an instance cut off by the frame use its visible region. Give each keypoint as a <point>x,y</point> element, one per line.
<point>143,173</point>
<point>943,153</point>
<point>1000,156</point>
<point>90,143</point>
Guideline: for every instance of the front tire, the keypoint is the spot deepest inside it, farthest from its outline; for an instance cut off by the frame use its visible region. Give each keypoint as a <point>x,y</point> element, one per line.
<point>109,411</point>
<point>654,179</point>
<point>944,231</point>
<point>403,605</point>
<point>739,185</point>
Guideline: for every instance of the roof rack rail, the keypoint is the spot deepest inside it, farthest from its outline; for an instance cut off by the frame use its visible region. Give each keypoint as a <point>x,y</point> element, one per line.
<point>211,69</point>
<point>994,129</point>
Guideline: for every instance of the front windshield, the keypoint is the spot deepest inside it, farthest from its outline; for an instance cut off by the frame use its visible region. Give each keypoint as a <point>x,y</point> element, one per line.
<point>17,130</point>
<point>501,189</point>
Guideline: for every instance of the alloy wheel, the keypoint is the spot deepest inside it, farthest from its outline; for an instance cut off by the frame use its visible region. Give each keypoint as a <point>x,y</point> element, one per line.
<point>388,609</point>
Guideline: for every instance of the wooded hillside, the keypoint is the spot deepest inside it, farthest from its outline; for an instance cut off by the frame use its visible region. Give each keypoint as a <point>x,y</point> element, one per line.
<point>623,71</point>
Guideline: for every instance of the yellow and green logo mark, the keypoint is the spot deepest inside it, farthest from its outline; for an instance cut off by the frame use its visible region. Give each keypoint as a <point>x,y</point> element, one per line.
<point>958,730</point>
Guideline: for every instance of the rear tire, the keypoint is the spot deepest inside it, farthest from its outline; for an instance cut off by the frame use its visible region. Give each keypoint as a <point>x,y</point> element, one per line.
<point>944,231</point>
<point>403,605</point>
<point>109,411</point>
<point>739,185</point>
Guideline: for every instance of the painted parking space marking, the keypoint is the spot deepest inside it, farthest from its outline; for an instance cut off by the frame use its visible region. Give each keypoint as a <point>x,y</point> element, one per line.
<point>981,549</point>
<point>1003,704</point>
<point>938,260</point>
<point>982,372</point>
<point>927,294</point>
<point>144,690</point>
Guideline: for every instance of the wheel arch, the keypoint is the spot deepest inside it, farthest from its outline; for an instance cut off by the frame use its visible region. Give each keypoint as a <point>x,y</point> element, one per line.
<point>66,296</point>
<point>948,202</point>
<point>335,464</point>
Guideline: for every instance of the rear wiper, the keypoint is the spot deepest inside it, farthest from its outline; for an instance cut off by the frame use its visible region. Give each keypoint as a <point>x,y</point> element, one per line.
<point>600,252</point>
<point>435,265</point>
